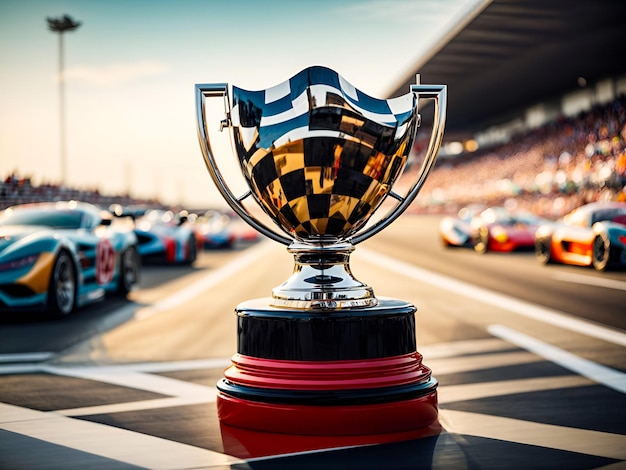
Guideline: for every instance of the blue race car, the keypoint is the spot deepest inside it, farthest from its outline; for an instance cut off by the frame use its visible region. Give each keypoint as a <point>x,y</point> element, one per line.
<point>214,230</point>
<point>165,237</point>
<point>58,256</point>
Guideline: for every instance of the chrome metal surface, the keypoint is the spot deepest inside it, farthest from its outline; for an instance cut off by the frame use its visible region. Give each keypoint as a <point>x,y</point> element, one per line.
<point>320,157</point>
<point>322,280</point>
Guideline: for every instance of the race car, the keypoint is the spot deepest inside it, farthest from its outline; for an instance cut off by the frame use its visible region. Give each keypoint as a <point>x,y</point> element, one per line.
<point>214,230</point>
<point>591,235</point>
<point>58,256</point>
<point>457,231</point>
<point>165,237</point>
<point>499,229</point>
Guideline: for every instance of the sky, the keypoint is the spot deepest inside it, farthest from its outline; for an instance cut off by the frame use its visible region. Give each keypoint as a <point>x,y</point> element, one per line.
<point>132,65</point>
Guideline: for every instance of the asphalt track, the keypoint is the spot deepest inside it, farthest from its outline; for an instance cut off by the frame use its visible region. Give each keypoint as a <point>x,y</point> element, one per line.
<point>530,361</point>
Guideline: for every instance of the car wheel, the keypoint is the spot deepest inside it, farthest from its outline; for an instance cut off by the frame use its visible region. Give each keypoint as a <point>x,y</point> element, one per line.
<point>543,251</point>
<point>62,287</point>
<point>192,251</point>
<point>482,240</point>
<point>129,271</point>
<point>601,252</point>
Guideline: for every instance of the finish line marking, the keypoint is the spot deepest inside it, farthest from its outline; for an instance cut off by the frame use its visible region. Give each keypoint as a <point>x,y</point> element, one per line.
<point>502,301</point>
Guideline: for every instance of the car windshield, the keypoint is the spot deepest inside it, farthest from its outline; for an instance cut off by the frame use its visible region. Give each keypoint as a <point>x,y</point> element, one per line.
<point>608,214</point>
<point>528,218</point>
<point>159,217</point>
<point>49,218</point>
<point>495,215</point>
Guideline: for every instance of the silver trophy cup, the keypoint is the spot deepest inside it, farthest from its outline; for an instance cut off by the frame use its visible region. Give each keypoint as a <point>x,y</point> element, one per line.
<point>323,355</point>
<point>319,157</point>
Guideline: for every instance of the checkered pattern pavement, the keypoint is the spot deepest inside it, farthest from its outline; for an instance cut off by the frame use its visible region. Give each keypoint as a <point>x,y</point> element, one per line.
<point>500,407</point>
<point>319,154</point>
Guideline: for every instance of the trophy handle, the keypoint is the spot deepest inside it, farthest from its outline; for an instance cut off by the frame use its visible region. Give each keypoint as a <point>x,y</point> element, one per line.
<point>439,94</point>
<point>220,90</point>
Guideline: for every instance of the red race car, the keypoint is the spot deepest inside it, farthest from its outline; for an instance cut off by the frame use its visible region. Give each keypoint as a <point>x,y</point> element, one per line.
<point>591,235</point>
<point>498,229</point>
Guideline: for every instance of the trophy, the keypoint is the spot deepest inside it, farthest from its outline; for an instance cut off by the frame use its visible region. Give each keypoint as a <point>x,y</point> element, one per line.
<point>323,355</point>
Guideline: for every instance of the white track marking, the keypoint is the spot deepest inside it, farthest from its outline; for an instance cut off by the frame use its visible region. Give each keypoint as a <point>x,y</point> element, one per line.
<point>177,392</point>
<point>589,280</point>
<point>26,357</point>
<point>140,405</point>
<point>582,441</point>
<point>192,364</point>
<point>137,380</point>
<point>455,365</point>
<point>451,393</point>
<point>108,441</point>
<point>506,302</point>
<point>598,373</point>
<point>456,348</point>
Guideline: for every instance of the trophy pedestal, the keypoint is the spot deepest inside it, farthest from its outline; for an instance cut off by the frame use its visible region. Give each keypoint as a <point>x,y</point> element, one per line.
<point>345,372</point>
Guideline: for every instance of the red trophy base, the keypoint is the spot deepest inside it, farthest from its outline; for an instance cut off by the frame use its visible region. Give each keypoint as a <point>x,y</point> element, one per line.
<point>350,375</point>
<point>248,444</point>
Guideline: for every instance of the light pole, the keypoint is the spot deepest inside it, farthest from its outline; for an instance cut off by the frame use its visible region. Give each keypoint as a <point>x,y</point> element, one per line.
<point>61,25</point>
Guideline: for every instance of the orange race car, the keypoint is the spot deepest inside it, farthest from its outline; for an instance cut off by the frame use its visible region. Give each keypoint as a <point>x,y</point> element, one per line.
<point>591,235</point>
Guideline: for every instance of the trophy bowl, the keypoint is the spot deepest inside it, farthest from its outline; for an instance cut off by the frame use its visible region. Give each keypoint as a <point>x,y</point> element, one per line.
<point>319,157</point>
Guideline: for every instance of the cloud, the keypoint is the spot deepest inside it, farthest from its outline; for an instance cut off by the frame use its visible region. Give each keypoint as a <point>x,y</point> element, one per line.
<point>115,74</point>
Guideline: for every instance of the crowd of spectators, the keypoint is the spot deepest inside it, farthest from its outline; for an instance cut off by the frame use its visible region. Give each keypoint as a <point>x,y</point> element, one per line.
<point>16,189</point>
<point>549,170</point>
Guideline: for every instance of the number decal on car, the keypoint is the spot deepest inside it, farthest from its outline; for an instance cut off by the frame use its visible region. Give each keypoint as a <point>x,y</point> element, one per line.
<point>105,262</point>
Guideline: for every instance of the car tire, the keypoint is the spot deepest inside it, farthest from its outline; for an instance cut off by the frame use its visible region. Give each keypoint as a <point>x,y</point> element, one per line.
<point>482,241</point>
<point>62,288</point>
<point>192,251</point>
<point>601,252</point>
<point>130,265</point>
<point>543,250</point>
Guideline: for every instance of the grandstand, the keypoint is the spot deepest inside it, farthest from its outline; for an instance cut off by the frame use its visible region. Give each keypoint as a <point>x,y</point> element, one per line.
<point>18,189</point>
<point>549,170</point>
<point>537,87</point>
<point>516,64</point>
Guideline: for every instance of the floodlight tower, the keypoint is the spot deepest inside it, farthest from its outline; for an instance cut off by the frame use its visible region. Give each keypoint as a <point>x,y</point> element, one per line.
<point>61,25</point>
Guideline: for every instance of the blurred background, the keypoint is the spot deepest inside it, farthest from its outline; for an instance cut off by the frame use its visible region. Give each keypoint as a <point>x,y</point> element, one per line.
<point>100,107</point>
<point>108,105</point>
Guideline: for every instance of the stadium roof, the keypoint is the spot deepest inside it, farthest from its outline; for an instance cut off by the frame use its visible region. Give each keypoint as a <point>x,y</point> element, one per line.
<point>515,53</point>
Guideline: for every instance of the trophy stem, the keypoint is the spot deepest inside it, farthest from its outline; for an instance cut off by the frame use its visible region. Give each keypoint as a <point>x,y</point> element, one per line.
<point>322,280</point>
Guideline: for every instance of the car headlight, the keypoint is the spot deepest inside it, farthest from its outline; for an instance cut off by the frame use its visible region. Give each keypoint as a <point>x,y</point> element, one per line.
<point>499,234</point>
